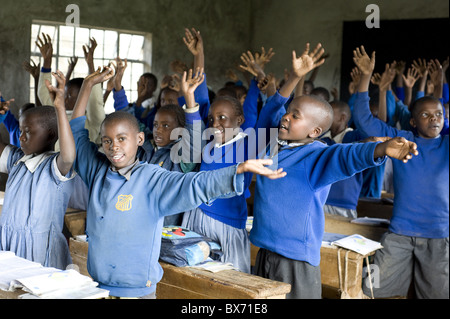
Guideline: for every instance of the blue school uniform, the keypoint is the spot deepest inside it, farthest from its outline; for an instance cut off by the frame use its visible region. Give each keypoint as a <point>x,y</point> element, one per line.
<point>421,206</point>
<point>125,213</point>
<point>288,212</point>
<point>35,203</point>
<point>345,193</point>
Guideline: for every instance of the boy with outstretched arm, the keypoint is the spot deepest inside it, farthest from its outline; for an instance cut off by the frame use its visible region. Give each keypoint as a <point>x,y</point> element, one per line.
<point>128,199</point>
<point>289,221</point>
<point>416,246</point>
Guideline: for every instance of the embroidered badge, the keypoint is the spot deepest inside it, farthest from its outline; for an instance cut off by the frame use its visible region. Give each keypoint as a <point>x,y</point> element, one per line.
<point>124,202</point>
<point>161,164</point>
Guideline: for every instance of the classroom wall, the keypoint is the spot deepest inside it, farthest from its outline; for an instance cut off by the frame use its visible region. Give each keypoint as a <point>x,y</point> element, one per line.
<point>287,25</point>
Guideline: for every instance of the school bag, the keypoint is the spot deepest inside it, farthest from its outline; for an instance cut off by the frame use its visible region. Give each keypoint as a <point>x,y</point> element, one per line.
<point>182,247</point>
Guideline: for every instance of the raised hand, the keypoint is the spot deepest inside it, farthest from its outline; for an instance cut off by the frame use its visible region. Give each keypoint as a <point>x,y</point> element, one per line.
<point>250,65</point>
<point>189,83</point>
<point>4,106</point>
<point>89,54</point>
<point>421,67</point>
<point>258,166</point>
<point>308,60</point>
<point>46,48</point>
<point>32,68</point>
<point>72,63</point>
<point>435,70</point>
<point>362,60</point>
<point>121,66</point>
<point>412,75</point>
<point>193,41</point>
<point>57,93</point>
<point>388,76</point>
<point>99,76</point>
<point>264,58</point>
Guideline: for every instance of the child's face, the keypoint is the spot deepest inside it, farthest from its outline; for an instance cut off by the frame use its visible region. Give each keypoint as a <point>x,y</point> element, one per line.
<point>120,141</point>
<point>34,138</point>
<point>163,125</point>
<point>169,97</point>
<point>223,116</point>
<point>70,97</point>
<point>299,124</point>
<point>429,119</point>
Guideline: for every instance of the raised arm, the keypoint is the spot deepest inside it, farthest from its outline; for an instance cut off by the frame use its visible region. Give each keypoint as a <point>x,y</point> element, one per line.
<point>194,42</point>
<point>46,48</point>
<point>97,77</point>
<point>34,70</point>
<point>88,50</point>
<point>409,80</point>
<point>66,142</point>
<point>302,66</point>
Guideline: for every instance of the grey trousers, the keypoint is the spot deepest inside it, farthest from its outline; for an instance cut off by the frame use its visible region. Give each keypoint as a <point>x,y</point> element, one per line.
<point>303,277</point>
<point>405,259</point>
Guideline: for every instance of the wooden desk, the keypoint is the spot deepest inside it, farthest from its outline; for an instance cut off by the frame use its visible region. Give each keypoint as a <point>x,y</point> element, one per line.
<point>191,283</point>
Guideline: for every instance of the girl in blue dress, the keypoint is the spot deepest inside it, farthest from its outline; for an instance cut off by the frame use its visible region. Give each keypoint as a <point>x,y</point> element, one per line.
<point>39,184</point>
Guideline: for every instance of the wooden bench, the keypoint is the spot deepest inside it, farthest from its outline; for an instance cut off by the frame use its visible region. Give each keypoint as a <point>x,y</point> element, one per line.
<point>192,283</point>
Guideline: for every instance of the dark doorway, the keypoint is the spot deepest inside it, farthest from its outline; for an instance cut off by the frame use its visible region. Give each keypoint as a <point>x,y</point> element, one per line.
<point>398,40</point>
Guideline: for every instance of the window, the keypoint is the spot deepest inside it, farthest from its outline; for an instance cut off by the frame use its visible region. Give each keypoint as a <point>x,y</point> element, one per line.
<point>68,42</point>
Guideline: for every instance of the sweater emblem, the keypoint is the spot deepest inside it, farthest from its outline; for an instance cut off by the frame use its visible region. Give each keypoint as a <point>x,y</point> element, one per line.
<point>124,202</point>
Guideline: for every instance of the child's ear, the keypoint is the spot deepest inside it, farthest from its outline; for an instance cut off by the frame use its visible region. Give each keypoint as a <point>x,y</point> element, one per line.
<point>315,132</point>
<point>412,122</point>
<point>240,120</point>
<point>141,138</point>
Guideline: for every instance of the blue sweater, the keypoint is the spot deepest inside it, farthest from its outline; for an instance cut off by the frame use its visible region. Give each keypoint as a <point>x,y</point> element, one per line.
<point>288,212</point>
<point>125,217</point>
<point>345,193</point>
<point>421,205</point>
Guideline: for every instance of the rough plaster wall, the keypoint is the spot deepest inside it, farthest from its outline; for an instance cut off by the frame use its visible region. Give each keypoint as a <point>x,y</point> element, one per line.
<point>288,25</point>
<point>224,26</point>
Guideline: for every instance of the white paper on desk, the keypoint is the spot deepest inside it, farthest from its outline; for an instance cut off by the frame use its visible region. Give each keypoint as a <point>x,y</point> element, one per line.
<point>8,282</point>
<point>10,262</point>
<point>358,243</point>
<point>214,266</point>
<point>88,292</point>
<point>59,280</point>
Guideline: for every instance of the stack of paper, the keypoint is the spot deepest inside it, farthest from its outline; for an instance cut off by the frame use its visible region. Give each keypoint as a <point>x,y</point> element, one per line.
<point>63,284</point>
<point>358,243</point>
<point>45,282</point>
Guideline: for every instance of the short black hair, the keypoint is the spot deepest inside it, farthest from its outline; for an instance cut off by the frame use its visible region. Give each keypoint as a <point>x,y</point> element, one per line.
<point>235,103</point>
<point>76,82</point>
<point>47,118</point>
<point>321,91</point>
<point>417,103</point>
<point>177,112</point>
<point>122,116</point>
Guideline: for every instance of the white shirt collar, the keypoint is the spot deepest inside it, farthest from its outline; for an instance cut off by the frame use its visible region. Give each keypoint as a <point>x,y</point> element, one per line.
<point>33,161</point>
<point>339,137</point>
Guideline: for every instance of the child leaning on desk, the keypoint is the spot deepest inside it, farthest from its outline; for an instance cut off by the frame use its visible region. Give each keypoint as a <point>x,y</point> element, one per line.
<point>416,246</point>
<point>289,221</point>
<point>39,184</point>
<point>129,199</point>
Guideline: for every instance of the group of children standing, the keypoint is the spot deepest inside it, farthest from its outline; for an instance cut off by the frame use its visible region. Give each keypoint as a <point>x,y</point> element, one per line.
<point>128,169</point>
